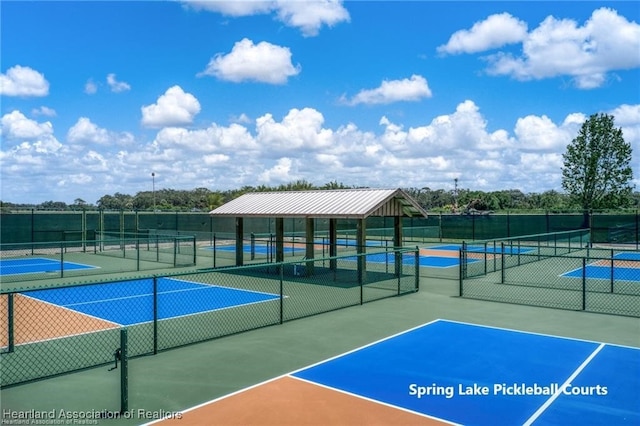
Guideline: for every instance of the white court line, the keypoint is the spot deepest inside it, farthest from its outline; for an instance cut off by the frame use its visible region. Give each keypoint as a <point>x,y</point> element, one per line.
<point>553,397</point>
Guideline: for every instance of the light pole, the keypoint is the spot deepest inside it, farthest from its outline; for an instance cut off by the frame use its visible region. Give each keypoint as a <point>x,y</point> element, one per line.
<point>455,194</point>
<point>153,179</point>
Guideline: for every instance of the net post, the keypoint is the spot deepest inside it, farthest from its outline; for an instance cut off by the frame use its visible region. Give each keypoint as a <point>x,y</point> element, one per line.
<point>10,313</point>
<point>124,372</point>
<point>138,252</point>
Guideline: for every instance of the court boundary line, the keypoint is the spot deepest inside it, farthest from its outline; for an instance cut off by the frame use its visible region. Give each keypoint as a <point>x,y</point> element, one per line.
<point>221,286</point>
<point>56,262</point>
<point>450,266</point>
<point>68,309</point>
<point>386,404</point>
<point>540,334</point>
<point>593,265</point>
<point>560,390</point>
<point>204,312</point>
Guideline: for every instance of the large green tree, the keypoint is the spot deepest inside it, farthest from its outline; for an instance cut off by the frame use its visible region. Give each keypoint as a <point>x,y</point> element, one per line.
<point>597,172</point>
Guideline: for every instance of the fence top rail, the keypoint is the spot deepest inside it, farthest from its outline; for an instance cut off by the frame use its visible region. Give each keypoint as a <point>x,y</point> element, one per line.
<point>111,280</point>
<point>531,236</point>
<point>589,257</point>
<point>57,244</point>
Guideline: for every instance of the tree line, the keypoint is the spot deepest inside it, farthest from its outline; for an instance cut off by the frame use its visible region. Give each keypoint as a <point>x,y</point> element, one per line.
<point>464,201</point>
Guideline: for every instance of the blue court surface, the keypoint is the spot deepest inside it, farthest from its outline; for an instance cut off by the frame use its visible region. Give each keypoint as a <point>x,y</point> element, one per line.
<point>482,249</point>
<point>131,302</point>
<point>35,265</point>
<point>600,270</point>
<point>409,259</point>
<point>258,248</point>
<point>476,375</point>
<point>343,242</point>
<point>627,255</point>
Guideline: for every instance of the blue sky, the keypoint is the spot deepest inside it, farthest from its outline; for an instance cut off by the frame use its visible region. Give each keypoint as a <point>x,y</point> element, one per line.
<point>96,96</point>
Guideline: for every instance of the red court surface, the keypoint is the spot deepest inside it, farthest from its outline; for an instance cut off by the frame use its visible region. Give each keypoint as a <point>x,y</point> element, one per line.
<point>288,401</point>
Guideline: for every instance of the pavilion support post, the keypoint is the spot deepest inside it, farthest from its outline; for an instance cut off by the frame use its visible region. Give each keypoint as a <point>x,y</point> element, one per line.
<point>239,241</point>
<point>279,240</point>
<point>333,243</point>
<point>397,243</point>
<point>309,245</point>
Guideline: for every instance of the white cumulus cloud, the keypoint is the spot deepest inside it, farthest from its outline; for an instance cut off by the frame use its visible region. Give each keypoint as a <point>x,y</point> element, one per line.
<point>408,89</point>
<point>281,172</point>
<point>174,108</point>
<point>299,129</point>
<point>495,31</point>
<point>263,62</point>
<point>16,126</point>
<point>87,132</point>
<point>90,87</point>
<point>23,81</point>
<point>588,53</point>
<point>43,110</point>
<point>115,85</point>
<point>309,16</point>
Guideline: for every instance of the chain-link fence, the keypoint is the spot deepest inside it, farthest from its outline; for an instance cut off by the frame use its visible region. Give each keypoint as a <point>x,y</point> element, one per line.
<point>587,279</point>
<point>622,227</point>
<point>50,331</point>
<point>481,257</point>
<point>26,262</point>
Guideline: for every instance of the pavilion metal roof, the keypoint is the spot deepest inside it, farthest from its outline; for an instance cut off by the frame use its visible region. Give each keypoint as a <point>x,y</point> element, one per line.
<point>338,203</point>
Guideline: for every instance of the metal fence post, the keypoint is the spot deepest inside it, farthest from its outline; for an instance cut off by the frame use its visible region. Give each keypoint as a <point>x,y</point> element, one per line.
<point>124,372</point>
<point>417,269</point>
<point>501,263</point>
<point>195,258</point>
<point>584,283</point>
<point>461,269</point>
<point>612,269</point>
<point>175,251</point>
<point>281,294</point>
<point>10,336</point>
<point>155,315</point>
<point>62,260</point>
